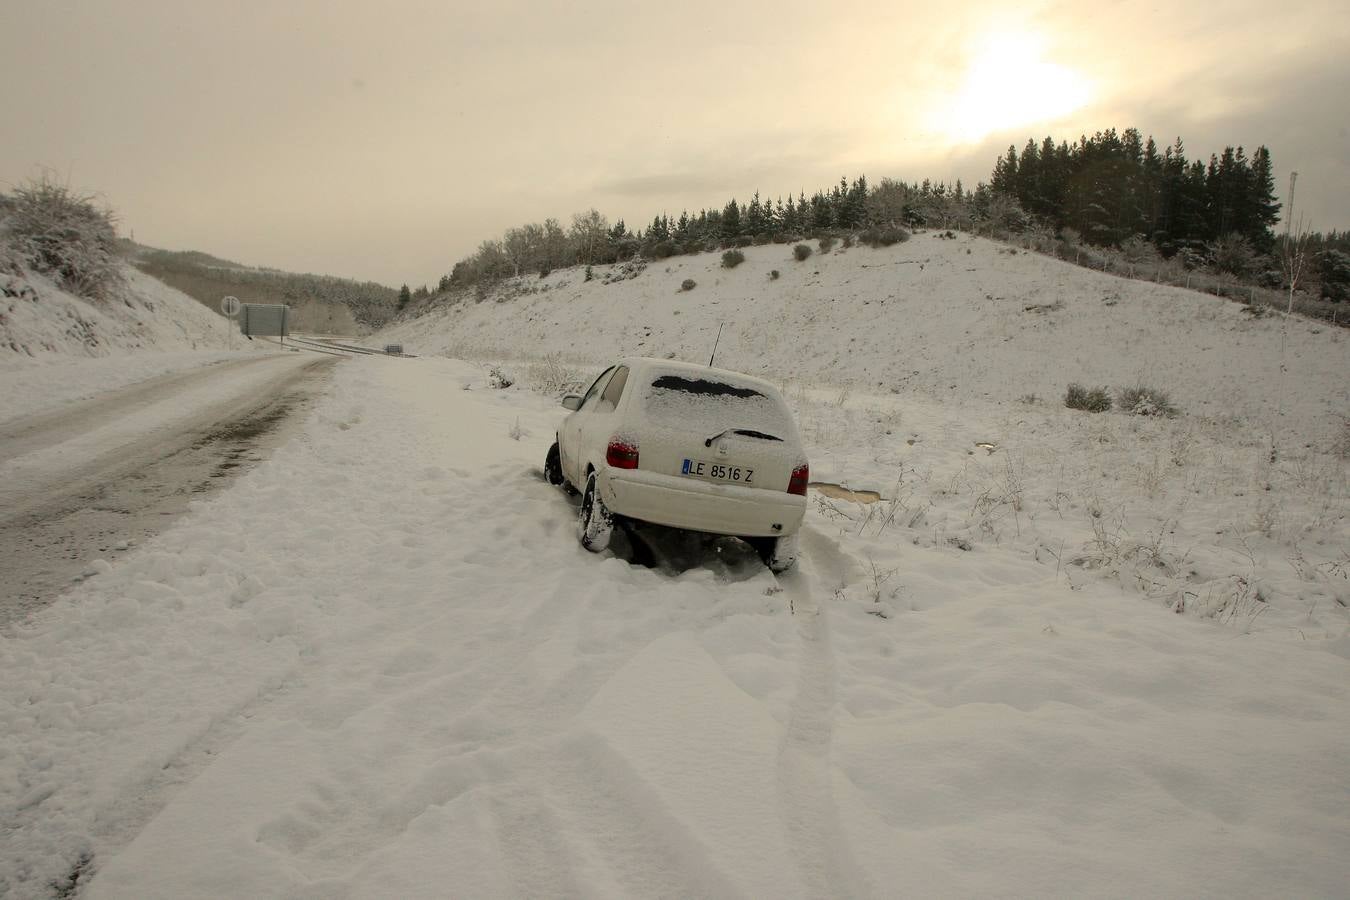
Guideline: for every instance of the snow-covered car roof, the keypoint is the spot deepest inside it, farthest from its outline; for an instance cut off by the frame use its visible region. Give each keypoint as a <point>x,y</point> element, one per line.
<point>648,363</point>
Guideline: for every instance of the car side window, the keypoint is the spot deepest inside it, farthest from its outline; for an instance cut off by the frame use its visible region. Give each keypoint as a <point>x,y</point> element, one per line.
<point>588,402</point>
<point>609,399</point>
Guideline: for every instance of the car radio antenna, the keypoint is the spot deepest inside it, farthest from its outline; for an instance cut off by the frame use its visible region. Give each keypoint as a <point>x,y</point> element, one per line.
<point>720,326</point>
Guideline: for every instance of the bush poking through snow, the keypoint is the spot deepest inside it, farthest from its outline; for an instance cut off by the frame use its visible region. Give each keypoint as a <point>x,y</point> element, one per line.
<point>732,258</point>
<point>62,234</point>
<point>802,252</point>
<point>1142,400</point>
<point>688,284</point>
<point>826,244</point>
<point>663,250</point>
<point>515,432</point>
<point>773,276</point>
<point>884,237</point>
<point>499,379</point>
<point>1090,399</point>
<point>553,377</point>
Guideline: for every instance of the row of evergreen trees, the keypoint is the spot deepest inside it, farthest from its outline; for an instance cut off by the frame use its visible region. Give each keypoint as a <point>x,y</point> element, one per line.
<point>1109,187</point>
<point>856,206</point>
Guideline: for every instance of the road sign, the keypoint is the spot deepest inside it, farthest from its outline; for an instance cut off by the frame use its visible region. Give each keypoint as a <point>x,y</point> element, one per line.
<point>271,319</point>
<point>229,306</point>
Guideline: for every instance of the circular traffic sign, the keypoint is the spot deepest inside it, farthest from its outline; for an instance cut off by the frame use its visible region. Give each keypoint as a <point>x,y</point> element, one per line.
<point>230,306</point>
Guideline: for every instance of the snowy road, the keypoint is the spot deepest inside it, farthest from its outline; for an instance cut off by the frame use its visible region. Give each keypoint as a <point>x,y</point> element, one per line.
<point>379,665</point>
<point>89,479</point>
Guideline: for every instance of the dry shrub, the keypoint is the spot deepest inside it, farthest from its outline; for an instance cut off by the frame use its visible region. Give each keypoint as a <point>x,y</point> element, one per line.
<point>1089,399</point>
<point>884,237</point>
<point>1141,400</point>
<point>553,377</point>
<point>60,233</point>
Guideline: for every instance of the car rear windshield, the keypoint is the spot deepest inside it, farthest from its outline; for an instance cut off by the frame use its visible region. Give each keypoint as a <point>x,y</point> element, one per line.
<point>712,404</point>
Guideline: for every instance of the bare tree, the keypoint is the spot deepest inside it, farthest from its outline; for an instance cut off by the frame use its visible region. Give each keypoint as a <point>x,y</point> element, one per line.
<point>516,246</point>
<point>1294,257</point>
<point>554,244</point>
<point>590,231</point>
<point>1294,261</point>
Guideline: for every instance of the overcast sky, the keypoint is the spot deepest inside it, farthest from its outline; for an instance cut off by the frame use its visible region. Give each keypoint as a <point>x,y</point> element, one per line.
<point>386,140</point>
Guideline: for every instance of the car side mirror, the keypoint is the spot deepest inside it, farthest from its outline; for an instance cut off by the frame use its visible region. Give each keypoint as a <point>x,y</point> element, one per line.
<point>572,402</point>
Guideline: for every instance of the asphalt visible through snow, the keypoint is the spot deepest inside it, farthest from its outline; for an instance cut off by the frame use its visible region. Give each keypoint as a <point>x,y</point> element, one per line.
<point>70,503</point>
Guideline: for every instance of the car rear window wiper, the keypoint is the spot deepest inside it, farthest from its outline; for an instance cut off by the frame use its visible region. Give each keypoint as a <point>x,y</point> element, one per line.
<point>748,432</point>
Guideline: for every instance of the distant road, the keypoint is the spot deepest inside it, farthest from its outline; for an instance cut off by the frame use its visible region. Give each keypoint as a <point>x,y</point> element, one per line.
<point>91,479</point>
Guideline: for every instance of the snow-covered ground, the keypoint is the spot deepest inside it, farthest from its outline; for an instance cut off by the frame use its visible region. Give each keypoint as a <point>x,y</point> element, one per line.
<point>380,665</point>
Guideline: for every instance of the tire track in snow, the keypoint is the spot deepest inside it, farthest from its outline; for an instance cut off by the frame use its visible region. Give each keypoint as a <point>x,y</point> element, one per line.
<point>805,791</point>
<point>618,832</point>
<point>621,826</point>
<point>504,742</point>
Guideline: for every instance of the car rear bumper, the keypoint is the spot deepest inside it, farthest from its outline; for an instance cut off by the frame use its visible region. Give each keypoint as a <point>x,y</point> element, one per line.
<point>700,505</point>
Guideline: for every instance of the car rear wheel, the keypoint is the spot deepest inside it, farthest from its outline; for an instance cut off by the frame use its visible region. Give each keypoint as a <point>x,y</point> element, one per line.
<point>779,554</point>
<point>553,472</point>
<point>595,525</point>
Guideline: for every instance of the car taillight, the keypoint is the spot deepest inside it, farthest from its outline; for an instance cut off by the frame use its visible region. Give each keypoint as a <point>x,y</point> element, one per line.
<point>621,454</point>
<point>800,476</point>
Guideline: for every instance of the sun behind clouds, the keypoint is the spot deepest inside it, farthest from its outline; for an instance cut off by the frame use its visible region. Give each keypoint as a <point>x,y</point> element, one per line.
<point>1007,84</point>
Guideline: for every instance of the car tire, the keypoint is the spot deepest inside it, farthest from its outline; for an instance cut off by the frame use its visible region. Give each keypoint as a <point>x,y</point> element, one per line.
<point>553,472</point>
<point>779,554</point>
<point>595,524</point>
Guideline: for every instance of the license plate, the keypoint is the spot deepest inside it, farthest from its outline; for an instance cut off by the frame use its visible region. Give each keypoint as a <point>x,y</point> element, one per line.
<point>698,468</point>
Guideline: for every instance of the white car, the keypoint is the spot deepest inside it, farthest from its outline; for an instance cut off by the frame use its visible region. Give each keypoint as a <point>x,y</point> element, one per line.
<point>685,446</point>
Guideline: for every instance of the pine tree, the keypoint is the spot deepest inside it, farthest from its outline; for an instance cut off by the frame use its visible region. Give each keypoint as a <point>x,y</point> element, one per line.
<point>754,217</point>
<point>404,295</point>
<point>1150,187</point>
<point>855,204</point>
<point>1005,173</point>
<point>1263,210</point>
<point>731,221</point>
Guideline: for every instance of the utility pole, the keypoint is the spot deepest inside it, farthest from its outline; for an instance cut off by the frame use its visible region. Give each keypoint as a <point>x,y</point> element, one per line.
<point>1289,250</point>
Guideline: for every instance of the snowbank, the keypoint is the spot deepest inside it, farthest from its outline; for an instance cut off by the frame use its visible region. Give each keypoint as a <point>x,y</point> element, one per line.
<point>38,319</point>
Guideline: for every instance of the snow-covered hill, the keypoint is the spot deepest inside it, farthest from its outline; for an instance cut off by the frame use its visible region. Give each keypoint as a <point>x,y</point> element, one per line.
<point>38,319</point>
<point>938,316</point>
